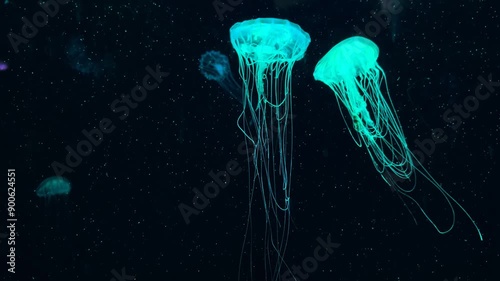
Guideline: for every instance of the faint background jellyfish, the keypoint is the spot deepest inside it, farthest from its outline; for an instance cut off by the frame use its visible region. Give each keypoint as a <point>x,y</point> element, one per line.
<point>55,191</point>
<point>53,187</point>
<point>267,50</point>
<point>55,222</point>
<point>3,66</point>
<point>79,59</point>
<point>215,66</point>
<point>351,70</point>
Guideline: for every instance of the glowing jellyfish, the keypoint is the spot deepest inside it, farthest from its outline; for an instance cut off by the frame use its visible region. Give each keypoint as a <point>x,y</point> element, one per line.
<point>53,186</point>
<point>267,50</point>
<point>351,70</point>
<point>215,66</point>
<point>3,66</point>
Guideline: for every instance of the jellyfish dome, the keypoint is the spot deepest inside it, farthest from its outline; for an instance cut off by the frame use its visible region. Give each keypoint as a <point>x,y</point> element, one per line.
<point>350,58</point>
<point>214,65</point>
<point>269,40</point>
<point>53,186</point>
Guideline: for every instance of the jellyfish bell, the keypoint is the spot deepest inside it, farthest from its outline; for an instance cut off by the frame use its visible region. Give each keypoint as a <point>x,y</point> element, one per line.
<point>354,56</point>
<point>267,40</point>
<point>53,188</point>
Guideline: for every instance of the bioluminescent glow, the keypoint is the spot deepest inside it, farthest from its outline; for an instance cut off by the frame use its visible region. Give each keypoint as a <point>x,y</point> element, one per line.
<point>53,186</point>
<point>351,70</point>
<point>267,50</point>
<point>3,66</point>
<point>215,66</point>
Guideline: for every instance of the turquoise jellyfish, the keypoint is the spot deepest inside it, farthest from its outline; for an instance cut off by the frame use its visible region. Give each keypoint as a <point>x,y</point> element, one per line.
<point>267,49</point>
<point>215,66</point>
<point>351,70</point>
<point>53,186</point>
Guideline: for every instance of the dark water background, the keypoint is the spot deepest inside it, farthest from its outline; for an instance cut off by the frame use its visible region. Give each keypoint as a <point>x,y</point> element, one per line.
<point>122,213</point>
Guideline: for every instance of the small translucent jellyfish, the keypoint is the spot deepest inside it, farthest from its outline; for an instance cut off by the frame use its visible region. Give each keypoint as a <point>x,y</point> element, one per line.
<point>351,70</point>
<point>267,50</point>
<point>215,66</point>
<point>3,66</point>
<point>53,186</point>
<point>80,59</point>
